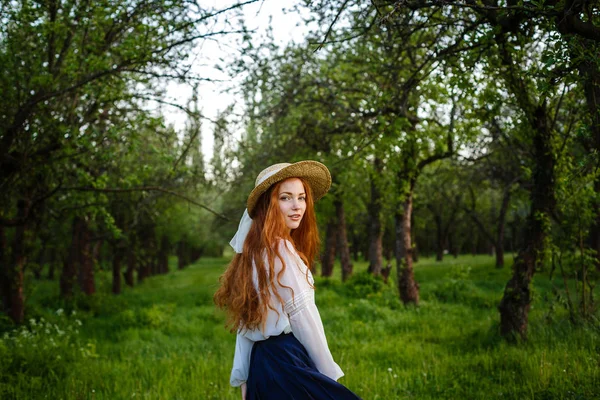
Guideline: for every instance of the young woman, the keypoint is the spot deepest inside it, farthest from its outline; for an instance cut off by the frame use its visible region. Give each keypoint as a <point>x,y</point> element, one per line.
<point>281,351</point>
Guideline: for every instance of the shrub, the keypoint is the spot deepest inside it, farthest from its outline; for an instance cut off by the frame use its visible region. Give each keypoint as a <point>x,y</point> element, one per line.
<point>456,287</point>
<point>41,353</point>
<point>156,316</point>
<point>363,284</point>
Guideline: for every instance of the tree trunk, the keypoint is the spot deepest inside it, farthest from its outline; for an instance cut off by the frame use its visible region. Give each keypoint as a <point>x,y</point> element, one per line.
<point>407,286</point>
<point>342,242</point>
<point>501,228</point>
<point>439,255</point>
<point>515,304</point>
<point>474,240</point>
<point>595,228</point>
<point>415,248</point>
<point>4,288</point>
<point>41,261</point>
<point>141,265</point>
<point>588,70</point>
<point>86,263</point>
<point>151,252</point>
<point>181,254</point>
<point>52,263</point>
<point>328,256</point>
<point>69,272</point>
<point>15,278</point>
<point>163,255</point>
<point>453,245</point>
<point>375,226</point>
<point>118,254</point>
<point>131,264</point>
<point>97,253</point>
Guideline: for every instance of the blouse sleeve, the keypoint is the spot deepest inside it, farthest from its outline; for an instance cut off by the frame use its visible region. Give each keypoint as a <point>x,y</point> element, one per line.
<point>302,311</point>
<point>241,360</point>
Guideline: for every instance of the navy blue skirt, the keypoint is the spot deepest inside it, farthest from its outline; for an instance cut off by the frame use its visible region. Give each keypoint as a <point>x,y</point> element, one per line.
<point>280,369</point>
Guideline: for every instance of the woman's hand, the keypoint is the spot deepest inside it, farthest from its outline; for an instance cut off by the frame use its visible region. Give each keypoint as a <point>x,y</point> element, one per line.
<point>243,391</point>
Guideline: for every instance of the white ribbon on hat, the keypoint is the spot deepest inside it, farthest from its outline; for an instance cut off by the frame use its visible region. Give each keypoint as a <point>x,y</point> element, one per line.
<point>240,236</point>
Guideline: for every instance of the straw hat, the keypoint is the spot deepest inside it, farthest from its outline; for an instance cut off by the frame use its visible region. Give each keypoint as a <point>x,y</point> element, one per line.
<point>316,174</point>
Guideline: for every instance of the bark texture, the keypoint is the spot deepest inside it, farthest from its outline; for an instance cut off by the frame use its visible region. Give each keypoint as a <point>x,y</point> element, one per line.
<point>591,85</point>
<point>375,225</point>
<point>440,239</point>
<point>163,255</point>
<point>407,285</point>
<point>3,272</point>
<point>182,251</point>
<point>328,256</point>
<point>342,242</point>
<point>86,260</point>
<point>131,265</point>
<point>501,228</point>
<point>516,301</point>
<point>118,255</point>
<point>69,272</point>
<point>15,277</point>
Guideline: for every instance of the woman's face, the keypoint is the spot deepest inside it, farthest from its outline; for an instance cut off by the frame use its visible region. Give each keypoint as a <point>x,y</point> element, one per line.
<point>292,202</point>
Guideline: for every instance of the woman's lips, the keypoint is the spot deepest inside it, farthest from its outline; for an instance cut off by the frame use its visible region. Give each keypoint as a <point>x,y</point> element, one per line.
<point>295,217</point>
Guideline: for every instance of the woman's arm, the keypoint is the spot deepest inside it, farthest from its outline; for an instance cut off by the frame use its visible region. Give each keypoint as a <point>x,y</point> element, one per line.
<point>243,386</point>
<point>241,360</point>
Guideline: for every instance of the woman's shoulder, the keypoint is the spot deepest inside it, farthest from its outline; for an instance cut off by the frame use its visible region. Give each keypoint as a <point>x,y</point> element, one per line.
<point>285,246</point>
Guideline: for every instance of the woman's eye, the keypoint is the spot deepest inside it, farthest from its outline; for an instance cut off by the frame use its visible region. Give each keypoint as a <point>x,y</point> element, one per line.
<point>302,198</point>
<point>285,198</point>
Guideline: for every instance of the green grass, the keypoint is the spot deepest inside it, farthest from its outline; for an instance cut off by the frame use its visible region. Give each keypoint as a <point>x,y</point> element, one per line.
<point>165,340</point>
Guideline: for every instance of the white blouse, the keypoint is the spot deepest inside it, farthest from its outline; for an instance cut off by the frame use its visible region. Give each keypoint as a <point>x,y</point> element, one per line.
<point>298,315</point>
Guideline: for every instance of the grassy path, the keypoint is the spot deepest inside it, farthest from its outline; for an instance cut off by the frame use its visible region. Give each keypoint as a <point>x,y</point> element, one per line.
<point>165,340</point>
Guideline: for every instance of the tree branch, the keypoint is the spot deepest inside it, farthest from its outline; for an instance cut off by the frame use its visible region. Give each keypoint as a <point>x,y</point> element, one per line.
<point>320,46</point>
<point>143,189</point>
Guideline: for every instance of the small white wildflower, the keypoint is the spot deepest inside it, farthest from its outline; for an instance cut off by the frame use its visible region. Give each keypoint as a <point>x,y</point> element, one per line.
<point>32,321</point>
<point>60,311</point>
<point>73,312</point>
<point>78,322</point>
<point>389,370</point>
<point>395,376</point>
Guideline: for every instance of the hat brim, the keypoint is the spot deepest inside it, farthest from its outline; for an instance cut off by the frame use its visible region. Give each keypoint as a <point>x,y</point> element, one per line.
<point>316,174</point>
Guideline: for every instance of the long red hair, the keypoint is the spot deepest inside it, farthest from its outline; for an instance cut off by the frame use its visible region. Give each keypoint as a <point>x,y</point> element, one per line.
<point>247,307</point>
